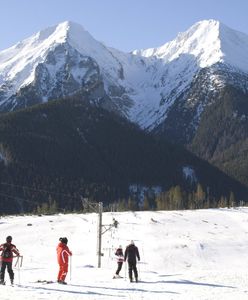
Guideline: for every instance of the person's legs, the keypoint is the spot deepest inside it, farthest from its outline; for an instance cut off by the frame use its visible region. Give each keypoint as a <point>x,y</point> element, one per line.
<point>2,272</point>
<point>119,268</point>
<point>64,271</point>
<point>60,272</point>
<point>130,271</point>
<point>10,271</point>
<point>135,272</point>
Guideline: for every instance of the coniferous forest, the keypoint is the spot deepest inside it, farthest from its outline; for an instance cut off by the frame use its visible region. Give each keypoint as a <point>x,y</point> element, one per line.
<point>52,155</point>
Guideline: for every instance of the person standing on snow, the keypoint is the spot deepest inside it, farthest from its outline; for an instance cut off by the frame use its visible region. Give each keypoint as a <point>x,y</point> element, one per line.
<point>120,259</point>
<point>63,253</point>
<point>131,253</point>
<point>7,258</point>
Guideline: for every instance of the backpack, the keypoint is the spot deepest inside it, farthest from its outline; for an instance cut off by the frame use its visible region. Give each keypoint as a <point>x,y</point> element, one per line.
<point>6,253</point>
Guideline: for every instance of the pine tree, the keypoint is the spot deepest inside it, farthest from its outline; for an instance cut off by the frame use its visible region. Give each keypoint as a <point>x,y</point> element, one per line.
<point>121,205</point>
<point>177,197</point>
<point>223,202</point>
<point>200,196</point>
<point>146,204</point>
<point>131,204</point>
<point>232,201</point>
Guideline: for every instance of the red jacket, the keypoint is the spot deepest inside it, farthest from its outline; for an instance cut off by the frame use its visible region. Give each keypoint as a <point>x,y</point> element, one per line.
<point>63,253</point>
<point>12,248</point>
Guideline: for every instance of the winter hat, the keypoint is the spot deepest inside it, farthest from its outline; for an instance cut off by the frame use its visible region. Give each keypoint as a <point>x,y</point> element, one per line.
<point>9,238</point>
<point>132,242</point>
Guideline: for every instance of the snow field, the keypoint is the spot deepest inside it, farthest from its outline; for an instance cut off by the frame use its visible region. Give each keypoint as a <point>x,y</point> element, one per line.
<point>199,254</point>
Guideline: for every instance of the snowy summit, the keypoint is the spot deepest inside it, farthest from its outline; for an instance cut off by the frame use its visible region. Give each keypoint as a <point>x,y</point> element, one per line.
<point>143,86</point>
<point>208,41</point>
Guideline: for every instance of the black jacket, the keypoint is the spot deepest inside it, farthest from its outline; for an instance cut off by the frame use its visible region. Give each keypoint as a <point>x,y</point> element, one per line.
<point>131,253</point>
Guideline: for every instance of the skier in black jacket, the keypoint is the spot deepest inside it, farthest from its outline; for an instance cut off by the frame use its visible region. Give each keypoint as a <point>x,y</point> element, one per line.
<point>130,255</point>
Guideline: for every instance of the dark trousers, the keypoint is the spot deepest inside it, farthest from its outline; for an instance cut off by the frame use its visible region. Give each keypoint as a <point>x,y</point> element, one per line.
<point>9,268</point>
<point>119,267</point>
<point>132,268</point>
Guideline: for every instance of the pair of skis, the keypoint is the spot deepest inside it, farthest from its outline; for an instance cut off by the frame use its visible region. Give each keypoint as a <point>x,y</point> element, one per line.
<point>117,277</point>
<point>49,282</point>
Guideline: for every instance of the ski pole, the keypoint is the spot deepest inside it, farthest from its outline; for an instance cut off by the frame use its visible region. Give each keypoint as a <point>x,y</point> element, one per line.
<point>21,261</point>
<point>19,279</point>
<point>70,266</point>
<point>125,270</point>
<point>17,260</point>
<point>139,270</point>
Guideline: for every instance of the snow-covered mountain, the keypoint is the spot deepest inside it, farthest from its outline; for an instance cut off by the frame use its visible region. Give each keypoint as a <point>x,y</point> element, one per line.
<point>149,87</point>
<point>54,63</point>
<point>207,56</point>
<point>208,42</point>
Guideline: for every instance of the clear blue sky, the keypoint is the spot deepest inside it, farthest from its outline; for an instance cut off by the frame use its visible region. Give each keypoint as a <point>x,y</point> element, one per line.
<point>123,24</point>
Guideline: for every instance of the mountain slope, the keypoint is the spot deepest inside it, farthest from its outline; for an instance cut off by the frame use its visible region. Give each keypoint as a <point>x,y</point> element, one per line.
<point>143,86</point>
<point>65,59</point>
<point>54,63</point>
<point>167,91</point>
<point>222,134</point>
<point>77,149</point>
<point>207,44</point>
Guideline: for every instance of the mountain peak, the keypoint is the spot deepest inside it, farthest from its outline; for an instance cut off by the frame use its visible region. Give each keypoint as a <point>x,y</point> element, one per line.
<point>60,33</point>
<point>69,28</point>
<point>209,42</point>
<point>200,41</point>
<point>210,23</point>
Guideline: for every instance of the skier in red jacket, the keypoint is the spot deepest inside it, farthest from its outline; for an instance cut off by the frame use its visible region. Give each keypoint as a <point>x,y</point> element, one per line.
<point>63,253</point>
<point>6,259</point>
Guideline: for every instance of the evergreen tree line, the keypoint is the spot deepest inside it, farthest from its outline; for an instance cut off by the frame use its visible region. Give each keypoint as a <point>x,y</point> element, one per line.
<point>173,199</point>
<point>177,199</point>
<point>53,154</point>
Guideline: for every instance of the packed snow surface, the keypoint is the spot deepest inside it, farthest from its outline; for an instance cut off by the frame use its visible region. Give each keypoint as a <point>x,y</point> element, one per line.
<point>200,254</point>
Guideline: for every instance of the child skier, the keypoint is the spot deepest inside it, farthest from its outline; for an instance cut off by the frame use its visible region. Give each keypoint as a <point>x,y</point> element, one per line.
<point>63,253</point>
<point>120,259</point>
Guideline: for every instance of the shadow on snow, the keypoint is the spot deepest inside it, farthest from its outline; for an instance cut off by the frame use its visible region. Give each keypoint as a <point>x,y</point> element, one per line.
<point>196,283</point>
<point>134,287</point>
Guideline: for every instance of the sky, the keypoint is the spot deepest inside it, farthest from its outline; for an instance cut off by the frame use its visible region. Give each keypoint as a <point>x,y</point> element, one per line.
<point>123,24</point>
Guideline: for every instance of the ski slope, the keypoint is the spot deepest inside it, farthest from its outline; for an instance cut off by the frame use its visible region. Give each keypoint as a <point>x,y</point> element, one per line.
<point>200,254</point>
